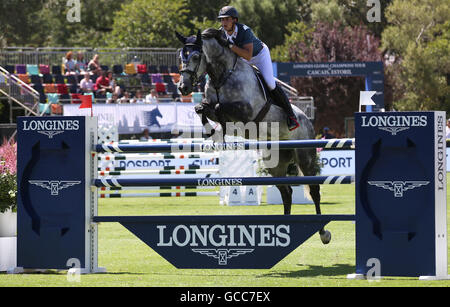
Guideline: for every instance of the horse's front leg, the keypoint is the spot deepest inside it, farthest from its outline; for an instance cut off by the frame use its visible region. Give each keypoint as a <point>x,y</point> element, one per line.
<point>205,111</point>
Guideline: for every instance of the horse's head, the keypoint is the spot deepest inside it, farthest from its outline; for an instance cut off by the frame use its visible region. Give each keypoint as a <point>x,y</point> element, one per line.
<point>191,57</point>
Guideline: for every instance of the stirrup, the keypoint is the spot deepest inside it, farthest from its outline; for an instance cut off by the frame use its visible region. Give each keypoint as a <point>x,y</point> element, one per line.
<point>292,123</point>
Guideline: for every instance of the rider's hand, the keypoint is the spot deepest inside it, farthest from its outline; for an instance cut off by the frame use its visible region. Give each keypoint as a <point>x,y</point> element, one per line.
<point>230,43</point>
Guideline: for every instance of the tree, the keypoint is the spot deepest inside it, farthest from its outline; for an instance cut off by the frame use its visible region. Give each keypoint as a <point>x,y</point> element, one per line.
<point>148,23</point>
<point>267,18</point>
<point>18,21</point>
<point>337,97</point>
<point>96,19</point>
<point>419,37</point>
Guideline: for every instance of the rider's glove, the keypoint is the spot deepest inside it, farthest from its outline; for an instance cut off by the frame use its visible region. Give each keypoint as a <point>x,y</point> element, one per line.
<point>230,43</point>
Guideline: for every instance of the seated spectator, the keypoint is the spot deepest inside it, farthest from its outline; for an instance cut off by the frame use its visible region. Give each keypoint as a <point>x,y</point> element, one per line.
<point>139,99</point>
<point>102,84</point>
<point>327,133</point>
<point>70,64</point>
<point>81,65</point>
<point>113,99</point>
<point>152,97</point>
<point>113,84</point>
<point>125,98</point>
<point>145,135</point>
<point>86,85</point>
<point>94,65</point>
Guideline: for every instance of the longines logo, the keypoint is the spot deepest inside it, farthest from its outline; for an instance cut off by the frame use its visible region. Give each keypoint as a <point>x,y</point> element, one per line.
<point>54,186</point>
<point>218,182</point>
<point>393,123</point>
<point>50,128</point>
<point>223,242</point>
<point>222,255</point>
<point>398,187</point>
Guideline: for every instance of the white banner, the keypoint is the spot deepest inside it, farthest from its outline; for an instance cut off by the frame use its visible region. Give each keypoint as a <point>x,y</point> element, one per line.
<point>337,162</point>
<point>134,118</point>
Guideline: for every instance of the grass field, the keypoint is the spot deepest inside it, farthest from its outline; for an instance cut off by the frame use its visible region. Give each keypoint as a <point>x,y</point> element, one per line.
<point>131,263</point>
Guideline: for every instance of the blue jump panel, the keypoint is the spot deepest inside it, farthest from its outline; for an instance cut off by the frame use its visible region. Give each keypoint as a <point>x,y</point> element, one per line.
<point>224,242</point>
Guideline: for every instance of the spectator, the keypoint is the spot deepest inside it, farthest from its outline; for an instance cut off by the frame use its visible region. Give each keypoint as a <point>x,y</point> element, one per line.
<point>94,66</point>
<point>70,64</point>
<point>447,129</point>
<point>113,84</point>
<point>86,85</point>
<point>152,97</point>
<point>139,99</point>
<point>145,135</point>
<point>113,99</point>
<point>102,84</point>
<point>125,98</point>
<point>327,133</point>
<point>81,65</point>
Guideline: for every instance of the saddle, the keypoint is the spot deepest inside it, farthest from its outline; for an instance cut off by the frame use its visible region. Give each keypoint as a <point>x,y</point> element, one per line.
<point>267,94</point>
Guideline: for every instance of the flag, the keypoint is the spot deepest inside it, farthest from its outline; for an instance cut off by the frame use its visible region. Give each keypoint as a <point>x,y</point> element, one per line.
<point>365,99</point>
<point>86,102</point>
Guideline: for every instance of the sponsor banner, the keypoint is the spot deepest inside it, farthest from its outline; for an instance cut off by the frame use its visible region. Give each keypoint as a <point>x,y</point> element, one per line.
<point>337,162</point>
<point>135,118</point>
<point>224,242</point>
<point>159,163</point>
<point>400,192</point>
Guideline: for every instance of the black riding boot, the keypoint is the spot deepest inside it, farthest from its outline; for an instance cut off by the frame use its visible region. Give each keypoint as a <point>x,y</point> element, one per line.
<point>279,95</point>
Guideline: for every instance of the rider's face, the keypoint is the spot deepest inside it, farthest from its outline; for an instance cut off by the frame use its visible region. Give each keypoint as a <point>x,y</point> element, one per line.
<point>227,23</point>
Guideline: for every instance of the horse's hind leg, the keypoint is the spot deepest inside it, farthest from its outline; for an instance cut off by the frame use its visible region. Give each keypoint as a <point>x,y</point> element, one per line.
<point>284,159</point>
<point>309,165</point>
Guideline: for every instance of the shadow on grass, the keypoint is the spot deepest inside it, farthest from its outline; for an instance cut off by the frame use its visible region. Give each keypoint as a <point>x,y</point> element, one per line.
<point>314,271</point>
<point>326,203</point>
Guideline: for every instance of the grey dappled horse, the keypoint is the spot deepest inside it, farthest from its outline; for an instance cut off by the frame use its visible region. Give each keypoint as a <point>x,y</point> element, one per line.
<point>234,94</point>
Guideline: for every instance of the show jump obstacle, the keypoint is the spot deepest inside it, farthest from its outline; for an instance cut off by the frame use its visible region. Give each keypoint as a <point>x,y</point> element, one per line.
<point>400,201</point>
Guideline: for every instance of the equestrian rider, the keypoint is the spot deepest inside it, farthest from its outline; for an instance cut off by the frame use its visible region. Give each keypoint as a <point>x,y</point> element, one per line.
<point>245,44</point>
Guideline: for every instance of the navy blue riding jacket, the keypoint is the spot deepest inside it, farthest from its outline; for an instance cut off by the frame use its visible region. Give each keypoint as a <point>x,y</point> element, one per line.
<point>243,37</point>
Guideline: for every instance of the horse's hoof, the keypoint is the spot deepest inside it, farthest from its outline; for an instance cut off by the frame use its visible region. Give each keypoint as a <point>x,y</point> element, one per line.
<point>325,236</point>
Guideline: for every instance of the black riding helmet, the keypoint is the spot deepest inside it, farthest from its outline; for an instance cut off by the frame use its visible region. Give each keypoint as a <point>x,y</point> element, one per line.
<point>228,11</point>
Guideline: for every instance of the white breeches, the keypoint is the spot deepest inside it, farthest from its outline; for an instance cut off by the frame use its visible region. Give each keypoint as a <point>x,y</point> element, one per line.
<point>264,63</point>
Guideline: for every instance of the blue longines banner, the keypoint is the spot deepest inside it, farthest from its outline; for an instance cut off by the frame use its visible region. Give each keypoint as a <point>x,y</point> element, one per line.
<point>51,170</point>
<point>373,72</point>
<point>224,242</point>
<point>401,193</point>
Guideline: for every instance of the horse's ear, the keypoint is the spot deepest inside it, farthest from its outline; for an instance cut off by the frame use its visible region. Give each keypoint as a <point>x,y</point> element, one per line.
<point>199,37</point>
<point>180,37</point>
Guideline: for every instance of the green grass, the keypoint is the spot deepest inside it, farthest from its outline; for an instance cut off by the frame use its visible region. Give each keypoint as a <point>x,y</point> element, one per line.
<point>132,263</point>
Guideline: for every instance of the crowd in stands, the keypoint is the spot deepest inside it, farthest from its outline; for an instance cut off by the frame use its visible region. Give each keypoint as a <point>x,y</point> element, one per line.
<point>133,83</point>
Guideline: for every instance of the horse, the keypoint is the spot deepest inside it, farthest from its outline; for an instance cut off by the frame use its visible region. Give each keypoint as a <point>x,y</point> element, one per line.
<point>234,94</point>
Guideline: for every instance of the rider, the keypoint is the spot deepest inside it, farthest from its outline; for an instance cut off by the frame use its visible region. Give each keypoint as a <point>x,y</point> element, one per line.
<point>245,44</point>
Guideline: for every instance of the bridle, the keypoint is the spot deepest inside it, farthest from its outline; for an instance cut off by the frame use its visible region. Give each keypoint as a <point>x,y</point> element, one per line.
<point>193,74</point>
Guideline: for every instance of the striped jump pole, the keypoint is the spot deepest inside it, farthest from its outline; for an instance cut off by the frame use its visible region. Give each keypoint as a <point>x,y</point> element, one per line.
<point>175,194</point>
<point>105,189</point>
<point>167,168</point>
<point>223,181</point>
<point>167,156</point>
<point>210,147</point>
<point>179,140</point>
<point>159,172</point>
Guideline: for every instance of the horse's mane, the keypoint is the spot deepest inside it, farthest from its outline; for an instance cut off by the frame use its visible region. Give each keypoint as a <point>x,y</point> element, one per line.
<point>214,33</point>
